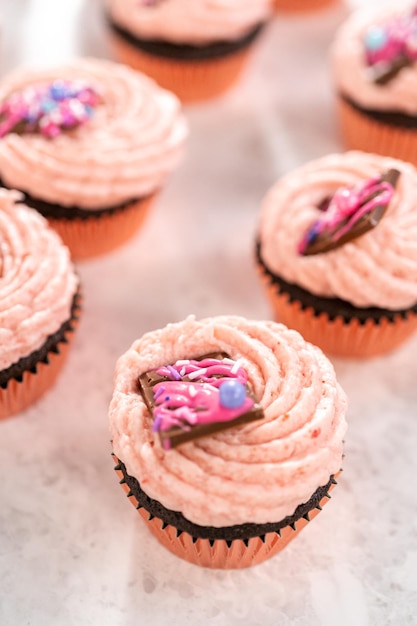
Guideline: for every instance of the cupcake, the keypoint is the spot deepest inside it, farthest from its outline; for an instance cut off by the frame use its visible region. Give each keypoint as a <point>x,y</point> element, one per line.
<point>374,59</point>
<point>337,252</point>
<point>39,304</point>
<point>195,48</point>
<point>227,436</point>
<point>302,6</point>
<point>90,144</point>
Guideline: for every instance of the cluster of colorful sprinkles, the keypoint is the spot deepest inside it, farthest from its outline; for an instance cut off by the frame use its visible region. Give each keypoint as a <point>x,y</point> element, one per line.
<point>349,213</point>
<point>48,108</point>
<point>203,393</point>
<point>392,46</point>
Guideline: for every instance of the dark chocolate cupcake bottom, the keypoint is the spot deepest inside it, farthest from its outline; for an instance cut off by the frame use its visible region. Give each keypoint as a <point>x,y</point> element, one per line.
<point>193,73</point>
<point>185,52</point>
<point>90,233</point>
<point>28,379</point>
<point>229,547</point>
<point>335,325</point>
<point>388,133</point>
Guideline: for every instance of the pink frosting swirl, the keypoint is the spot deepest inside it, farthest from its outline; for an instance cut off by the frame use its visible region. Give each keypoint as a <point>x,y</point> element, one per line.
<point>189,21</point>
<point>259,472</point>
<point>133,141</point>
<point>353,76</point>
<point>377,269</point>
<point>37,280</point>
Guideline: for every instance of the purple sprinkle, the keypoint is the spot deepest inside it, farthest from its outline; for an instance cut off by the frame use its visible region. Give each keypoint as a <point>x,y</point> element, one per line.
<point>174,374</point>
<point>158,392</point>
<point>157,423</point>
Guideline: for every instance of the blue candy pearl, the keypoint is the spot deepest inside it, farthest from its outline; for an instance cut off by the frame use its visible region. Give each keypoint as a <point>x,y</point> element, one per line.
<point>58,91</point>
<point>375,38</point>
<point>232,394</point>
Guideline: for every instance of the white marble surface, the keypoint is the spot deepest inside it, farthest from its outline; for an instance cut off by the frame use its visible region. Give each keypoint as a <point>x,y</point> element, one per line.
<point>72,549</point>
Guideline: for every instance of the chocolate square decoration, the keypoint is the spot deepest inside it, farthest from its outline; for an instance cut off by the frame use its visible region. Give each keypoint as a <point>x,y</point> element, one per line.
<point>323,238</point>
<point>199,397</point>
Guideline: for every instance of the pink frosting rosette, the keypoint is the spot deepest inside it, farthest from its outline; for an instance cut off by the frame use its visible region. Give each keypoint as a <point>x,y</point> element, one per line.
<point>259,472</point>
<point>37,280</point>
<point>125,151</point>
<point>377,269</point>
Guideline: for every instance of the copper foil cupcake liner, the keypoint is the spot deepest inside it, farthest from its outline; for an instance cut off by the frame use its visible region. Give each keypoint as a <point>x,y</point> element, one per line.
<point>102,233</point>
<point>220,553</point>
<point>301,6</point>
<point>360,132</point>
<point>337,336</point>
<point>191,81</point>
<point>18,395</point>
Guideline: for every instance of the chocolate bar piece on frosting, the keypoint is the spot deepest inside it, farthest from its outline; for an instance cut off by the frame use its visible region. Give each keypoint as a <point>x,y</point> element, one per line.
<point>197,397</point>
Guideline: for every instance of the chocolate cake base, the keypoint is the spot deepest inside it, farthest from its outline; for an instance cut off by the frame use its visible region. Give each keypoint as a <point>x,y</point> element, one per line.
<point>59,211</point>
<point>212,533</point>
<point>392,118</point>
<point>332,307</point>
<point>185,52</point>
<point>51,345</point>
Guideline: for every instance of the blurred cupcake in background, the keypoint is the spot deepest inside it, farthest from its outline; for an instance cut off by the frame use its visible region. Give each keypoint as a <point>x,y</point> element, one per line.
<point>337,252</point>
<point>374,61</point>
<point>303,6</point>
<point>90,144</point>
<point>196,48</point>
<point>39,304</point>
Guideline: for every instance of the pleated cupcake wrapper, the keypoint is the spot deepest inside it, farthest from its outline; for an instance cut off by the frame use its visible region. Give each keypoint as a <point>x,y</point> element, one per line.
<point>191,81</point>
<point>220,553</point>
<point>361,132</point>
<point>301,6</point>
<point>336,336</point>
<point>99,234</point>
<point>19,395</point>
